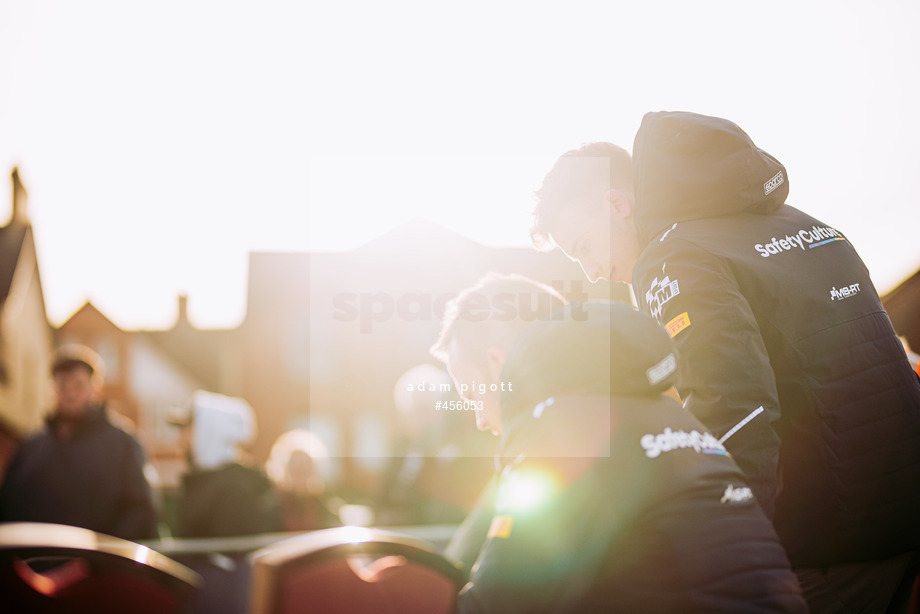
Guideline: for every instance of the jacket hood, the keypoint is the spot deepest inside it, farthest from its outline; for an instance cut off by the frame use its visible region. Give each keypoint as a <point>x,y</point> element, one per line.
<point>593,348</point>
<point>688,166</point>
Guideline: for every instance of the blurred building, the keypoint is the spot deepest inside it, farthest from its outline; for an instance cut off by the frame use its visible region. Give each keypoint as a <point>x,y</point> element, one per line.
<point>903,307</point>
<point>324,339</point>
<point>25,335</point>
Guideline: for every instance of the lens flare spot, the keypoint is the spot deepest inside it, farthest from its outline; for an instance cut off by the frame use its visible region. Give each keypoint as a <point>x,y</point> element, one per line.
<point>522,491</point>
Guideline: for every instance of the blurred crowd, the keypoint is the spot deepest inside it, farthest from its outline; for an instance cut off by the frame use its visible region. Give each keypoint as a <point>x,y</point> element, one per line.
<point>87,469</point>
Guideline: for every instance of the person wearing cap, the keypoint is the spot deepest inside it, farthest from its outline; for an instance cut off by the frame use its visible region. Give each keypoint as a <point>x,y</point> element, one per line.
<point>613,498</point>
<point>80,469</point>
<point>784,349</point>
<point>477,331</point>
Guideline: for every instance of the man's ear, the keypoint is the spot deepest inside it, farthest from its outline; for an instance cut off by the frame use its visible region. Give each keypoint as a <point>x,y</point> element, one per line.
<point>496,358</point>
<point>98,387</point>
<point>621,202</point>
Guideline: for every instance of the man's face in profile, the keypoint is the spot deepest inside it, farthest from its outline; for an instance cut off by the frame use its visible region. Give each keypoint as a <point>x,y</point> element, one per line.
<point>477,381</point>
<point>600,236</point>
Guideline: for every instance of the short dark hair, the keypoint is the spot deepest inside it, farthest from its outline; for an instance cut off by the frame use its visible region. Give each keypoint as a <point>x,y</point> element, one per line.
<point>458,321</point>
<point>575,178</point>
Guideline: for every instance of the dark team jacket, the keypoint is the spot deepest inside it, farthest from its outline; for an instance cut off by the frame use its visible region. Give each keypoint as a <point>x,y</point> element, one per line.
<point>780,333</point>
<point>94,480</point>
<point>225,501</point>
<point>624,505</point>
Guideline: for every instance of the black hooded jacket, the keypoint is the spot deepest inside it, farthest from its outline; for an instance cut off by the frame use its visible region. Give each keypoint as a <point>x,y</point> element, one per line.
<point>612,498</point>
<point>780,333</point>
<point>93,480</point>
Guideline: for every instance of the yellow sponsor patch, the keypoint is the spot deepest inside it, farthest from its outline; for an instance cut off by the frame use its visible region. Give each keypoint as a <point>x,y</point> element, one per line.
<point>501,526</point>
<point>677,324</point>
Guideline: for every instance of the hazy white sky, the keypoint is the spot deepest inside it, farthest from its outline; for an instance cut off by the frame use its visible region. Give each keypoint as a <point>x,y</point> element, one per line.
<point>161,142</point>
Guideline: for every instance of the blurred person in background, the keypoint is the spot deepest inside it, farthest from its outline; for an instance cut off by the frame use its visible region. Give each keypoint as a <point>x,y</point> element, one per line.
<point>297,466</point>
<point>612,497</point>
<point>81,469</point>
<point>222,495</point>
<point>477,331</point>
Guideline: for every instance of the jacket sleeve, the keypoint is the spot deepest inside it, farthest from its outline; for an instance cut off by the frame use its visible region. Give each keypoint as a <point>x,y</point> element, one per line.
<point>724,375</point>
<point>136,514</point>
<point>543,550</point>
<point>7,495</point>
<point>467,541</point>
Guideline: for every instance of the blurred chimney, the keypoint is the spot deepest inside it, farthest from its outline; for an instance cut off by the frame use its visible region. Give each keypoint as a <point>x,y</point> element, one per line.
<point>20,200</point>
<point>182,318</point>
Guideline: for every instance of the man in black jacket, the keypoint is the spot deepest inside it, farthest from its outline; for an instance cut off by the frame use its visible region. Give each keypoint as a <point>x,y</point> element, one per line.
<point>80,470</point>
<point>479,326</point>
<point>611,497</point>
<point>784,350</point>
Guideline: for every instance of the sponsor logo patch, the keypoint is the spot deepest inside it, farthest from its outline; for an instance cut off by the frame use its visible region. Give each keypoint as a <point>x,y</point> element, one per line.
<point>668,440</point>
<point>661,291</point>
<point>737,495</point>
<point>816,236</point>
<point>501,527</point>
<point>663,369</point>
<point>677,324</point>
<point>775,182</point>
<point>845,292</point>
